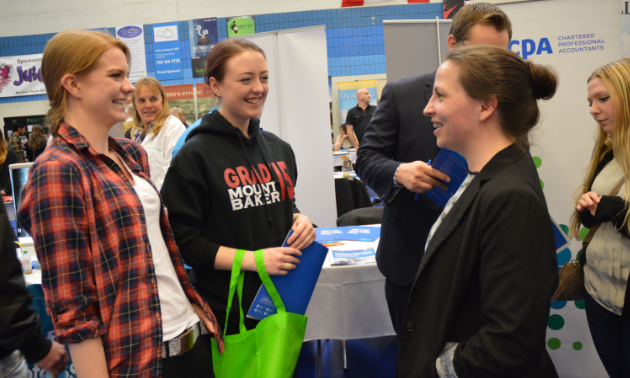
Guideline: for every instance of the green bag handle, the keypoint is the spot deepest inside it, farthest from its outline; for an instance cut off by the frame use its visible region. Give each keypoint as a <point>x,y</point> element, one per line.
<point>236,282</point>
<point>264,276</point>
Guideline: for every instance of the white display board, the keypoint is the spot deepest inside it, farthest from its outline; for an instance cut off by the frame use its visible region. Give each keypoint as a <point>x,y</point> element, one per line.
<point>575,37</point>
<point>297,110</point>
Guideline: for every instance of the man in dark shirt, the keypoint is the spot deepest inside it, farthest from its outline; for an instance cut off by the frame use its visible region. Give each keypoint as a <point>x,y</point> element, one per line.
<point>359,117</point>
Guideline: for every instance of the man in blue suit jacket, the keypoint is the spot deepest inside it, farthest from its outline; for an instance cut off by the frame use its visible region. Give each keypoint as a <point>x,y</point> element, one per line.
<point>393,154</point>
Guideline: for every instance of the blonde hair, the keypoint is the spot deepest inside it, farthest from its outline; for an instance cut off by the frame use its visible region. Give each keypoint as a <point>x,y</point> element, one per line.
<point>616,78</point>
<point>161,117</point>
<point>72,52</point>
<point>180,112</point>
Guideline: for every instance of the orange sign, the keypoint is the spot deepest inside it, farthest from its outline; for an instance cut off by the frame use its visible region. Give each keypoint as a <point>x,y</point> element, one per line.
<point>179,92</point>
<point>204,91</point>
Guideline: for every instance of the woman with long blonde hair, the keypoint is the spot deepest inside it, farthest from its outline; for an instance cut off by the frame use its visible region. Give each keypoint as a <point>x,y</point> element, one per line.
<point>7,157</point>
<point>603,208</point>
<point>153,126</point>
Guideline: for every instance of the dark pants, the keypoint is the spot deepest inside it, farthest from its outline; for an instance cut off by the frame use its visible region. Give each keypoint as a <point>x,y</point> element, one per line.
<point>197,362</point>
<point>611,336</point>
<point>397,298</point>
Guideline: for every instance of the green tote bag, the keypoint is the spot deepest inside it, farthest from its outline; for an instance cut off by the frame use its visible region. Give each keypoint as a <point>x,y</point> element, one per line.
<point>270,350</point>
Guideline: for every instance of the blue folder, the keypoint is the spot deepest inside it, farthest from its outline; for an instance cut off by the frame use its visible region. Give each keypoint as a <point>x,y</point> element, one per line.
<point>296,287</point>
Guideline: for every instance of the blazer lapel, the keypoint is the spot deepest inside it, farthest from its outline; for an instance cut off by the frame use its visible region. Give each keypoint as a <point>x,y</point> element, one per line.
<point>502,159</point>
<point>451,221</point>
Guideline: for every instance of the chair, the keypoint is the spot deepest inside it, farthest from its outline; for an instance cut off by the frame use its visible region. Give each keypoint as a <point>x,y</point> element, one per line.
<point>363,216</point>
<point>350,194</point>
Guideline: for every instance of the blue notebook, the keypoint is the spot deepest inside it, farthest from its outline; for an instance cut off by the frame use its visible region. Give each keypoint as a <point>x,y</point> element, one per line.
<point>454,166</point>
<point>296,287</point>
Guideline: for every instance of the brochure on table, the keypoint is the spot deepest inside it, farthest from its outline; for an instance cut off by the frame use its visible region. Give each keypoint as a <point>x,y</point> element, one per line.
<point>353,257</point>
<point>354,233</point>
<point>296,287</point>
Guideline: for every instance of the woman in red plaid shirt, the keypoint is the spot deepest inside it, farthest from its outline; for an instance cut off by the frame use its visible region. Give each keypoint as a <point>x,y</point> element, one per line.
<point>115,285</point>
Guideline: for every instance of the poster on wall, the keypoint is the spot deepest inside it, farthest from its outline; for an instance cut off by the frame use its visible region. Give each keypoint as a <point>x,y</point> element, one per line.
<point>133,37</point>
<point>21,76</point>
<point>167,52</point>
<point>203,35</point>
<point>205,99</point>
<point>566,32</point>
<point>241,25</point>
<point>182,96</point>
<point>348,94</point>
<point>198,66</point>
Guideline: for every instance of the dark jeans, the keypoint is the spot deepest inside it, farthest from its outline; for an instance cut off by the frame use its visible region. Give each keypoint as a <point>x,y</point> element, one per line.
<point>611,336</point>
<point>397,298</point>
<point>197,362</point>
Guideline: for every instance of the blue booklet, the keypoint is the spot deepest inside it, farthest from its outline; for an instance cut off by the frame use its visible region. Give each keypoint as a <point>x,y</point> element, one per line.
<point>454,166</point>
<point>296,287</point>
<point>353,233</point>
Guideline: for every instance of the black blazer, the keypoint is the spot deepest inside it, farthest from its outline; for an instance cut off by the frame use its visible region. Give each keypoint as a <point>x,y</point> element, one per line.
<point>486,279</point>
<point>400,133</point>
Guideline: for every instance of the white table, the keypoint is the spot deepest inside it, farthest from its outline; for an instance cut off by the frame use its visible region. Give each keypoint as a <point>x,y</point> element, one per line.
<point>349,302</point>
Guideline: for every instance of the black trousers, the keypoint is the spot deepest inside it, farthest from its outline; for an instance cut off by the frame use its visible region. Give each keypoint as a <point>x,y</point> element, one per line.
<point>197,362</point>
<point>397,298</point>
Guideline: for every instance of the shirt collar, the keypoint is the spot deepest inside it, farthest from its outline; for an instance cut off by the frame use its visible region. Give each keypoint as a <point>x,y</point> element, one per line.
<point>73,137</point>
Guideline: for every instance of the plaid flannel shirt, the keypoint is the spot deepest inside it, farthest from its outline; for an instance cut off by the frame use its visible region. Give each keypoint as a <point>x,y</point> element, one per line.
<point>16,144</point>
<point>97,268</point>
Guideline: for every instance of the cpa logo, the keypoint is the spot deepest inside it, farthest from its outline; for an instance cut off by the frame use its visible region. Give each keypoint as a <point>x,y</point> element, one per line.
<point>528,47</point>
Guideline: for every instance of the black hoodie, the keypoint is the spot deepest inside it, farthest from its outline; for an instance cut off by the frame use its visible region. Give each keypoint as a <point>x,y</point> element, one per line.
<point>223,189</point>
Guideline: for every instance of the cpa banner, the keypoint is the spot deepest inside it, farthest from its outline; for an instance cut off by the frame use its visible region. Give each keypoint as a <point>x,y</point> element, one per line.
<point>348,95</point>
<point>21,75</point>
<point>574,37</point>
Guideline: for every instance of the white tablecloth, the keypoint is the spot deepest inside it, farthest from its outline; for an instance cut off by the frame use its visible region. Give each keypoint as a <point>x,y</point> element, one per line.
<point>349,302</point>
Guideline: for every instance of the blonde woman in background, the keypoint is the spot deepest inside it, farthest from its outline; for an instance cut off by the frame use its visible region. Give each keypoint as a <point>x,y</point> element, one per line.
<point>36,143</point>
<point>7,157</point>
<point>607,259</point>
<point>180,114</point>
<point>153,126</point>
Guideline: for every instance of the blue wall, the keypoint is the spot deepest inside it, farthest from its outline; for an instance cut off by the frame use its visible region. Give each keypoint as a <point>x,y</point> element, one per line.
<point>354,37</point>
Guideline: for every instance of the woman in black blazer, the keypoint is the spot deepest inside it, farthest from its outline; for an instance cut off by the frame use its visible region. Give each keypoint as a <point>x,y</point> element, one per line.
<point>480,302</point>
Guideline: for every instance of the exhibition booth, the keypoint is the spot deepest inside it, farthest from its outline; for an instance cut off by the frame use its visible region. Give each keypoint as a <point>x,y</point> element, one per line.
<point>305,105</point>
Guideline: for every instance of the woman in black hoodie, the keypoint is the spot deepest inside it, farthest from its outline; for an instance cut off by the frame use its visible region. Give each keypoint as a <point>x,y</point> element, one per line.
<point>231,186</point>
